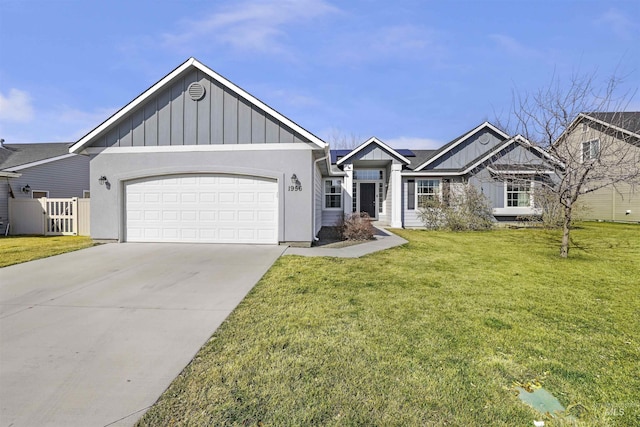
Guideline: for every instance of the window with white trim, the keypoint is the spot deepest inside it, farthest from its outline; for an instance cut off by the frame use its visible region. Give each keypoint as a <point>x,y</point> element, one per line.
<point>519,193</point>
<point>368,174</point>
<point>36,194</point>
<point>427,190</point>
<point>332,193</point>
<point>590,150</point>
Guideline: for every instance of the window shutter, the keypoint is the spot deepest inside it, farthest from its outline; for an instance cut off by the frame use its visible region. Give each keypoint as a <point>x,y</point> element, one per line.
<point>411,194</point>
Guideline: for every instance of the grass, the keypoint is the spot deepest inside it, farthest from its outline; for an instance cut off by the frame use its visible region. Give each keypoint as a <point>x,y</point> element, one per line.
<point>437,332</point>
<point>17,249</point>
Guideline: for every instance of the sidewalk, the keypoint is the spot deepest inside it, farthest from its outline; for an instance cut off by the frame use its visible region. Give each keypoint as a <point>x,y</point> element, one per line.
<point>384,239</point>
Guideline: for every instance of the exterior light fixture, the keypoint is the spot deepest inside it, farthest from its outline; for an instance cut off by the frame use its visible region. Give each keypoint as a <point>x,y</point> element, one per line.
<point>26,189</point>
<point>102,180</point>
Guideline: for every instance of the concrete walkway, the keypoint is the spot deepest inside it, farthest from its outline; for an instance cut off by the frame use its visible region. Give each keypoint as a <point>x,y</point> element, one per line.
<point>93,337</point>
<point>384,239</point>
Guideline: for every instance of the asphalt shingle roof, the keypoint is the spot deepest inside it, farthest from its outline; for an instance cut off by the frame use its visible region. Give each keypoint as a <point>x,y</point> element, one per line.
<point>629,120</point>
<point>13,155</point>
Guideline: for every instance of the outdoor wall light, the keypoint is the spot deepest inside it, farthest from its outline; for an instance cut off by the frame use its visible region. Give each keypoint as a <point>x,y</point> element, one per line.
<point>102,180</point>
<point>26,189</point>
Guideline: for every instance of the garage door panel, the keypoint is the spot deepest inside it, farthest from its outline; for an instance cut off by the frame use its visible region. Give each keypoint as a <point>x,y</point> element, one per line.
<point>202,208</point>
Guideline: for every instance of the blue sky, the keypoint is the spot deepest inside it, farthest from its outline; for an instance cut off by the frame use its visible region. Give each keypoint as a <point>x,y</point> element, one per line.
<point>416,74</point>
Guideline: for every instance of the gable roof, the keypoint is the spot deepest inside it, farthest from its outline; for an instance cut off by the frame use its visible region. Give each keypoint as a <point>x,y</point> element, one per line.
<point>375,141</point>
<point>459,140</point>
<point>624,121</point>
<point>519,139</point>
<point>166,80</point>
<point>14,157</point>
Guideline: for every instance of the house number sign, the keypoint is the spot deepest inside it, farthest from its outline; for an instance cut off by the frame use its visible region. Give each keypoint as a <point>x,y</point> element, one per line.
<point>295,184</point>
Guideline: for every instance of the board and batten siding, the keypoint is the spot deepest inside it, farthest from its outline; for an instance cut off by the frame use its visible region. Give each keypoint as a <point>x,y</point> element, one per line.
<point>173,118</point>
<point>467,151</point>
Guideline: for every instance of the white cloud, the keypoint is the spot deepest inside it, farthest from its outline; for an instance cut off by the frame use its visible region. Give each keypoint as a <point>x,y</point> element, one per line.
<point>618,22</point>
<point>413,142</point>
<point>58,124</point>
<point>513,47</point>
<point>74,123</point>
<point>400,41</point>
<point>250,25</point>
<point>16,106</point>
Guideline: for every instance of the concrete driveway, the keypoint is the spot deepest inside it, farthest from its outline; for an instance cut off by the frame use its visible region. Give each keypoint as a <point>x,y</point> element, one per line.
<point>92,338</point>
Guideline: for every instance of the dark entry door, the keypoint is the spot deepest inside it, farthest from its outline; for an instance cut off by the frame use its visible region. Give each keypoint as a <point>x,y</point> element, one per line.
<point>368,198</point>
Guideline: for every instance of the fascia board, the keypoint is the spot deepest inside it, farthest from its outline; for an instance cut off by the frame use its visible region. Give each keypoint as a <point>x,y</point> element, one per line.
<point>373,140</point>
<point>78,146</point>
<point>607,124</point>
<point>39,162</point>
<point>460,141</point>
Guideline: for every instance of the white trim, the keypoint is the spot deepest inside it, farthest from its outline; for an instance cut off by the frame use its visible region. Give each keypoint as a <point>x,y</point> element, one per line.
<point>7,174</point>
<point>39,191</point>
<point>39,162</point>
<point>324,194</point>
<point>590,142</point>
<point>461,140</point>
<point>430,173</point>
<point>377,181</point>
<point>515,211</point>
<point>195,148</point>
<point>607,124</point>
<point>508,209</point>
<point>395,180</point>
<point>375,195</point>
<point>519,172</point>
<point>192,62</point>
<point>417,206</point>
<point>374,140</point>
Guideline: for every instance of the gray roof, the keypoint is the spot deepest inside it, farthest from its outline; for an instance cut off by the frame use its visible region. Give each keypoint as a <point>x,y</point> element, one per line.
<point>421,156</point>
<point>13,155</point>
<point>629,120</point>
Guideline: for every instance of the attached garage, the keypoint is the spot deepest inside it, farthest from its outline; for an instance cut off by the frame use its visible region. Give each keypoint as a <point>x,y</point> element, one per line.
<point>195,158</point>
<point>202,208</point>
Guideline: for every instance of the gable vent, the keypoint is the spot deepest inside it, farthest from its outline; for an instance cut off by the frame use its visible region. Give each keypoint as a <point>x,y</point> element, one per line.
<point>196,91</point>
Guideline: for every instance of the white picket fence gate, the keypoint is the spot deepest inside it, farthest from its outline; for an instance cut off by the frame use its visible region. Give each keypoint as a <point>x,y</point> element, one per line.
<point>49,217</point>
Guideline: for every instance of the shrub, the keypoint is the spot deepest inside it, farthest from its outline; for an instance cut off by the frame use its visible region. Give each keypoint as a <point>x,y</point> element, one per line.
<point>356,226</point>
<point>551,212</point>
<point>466,210</point>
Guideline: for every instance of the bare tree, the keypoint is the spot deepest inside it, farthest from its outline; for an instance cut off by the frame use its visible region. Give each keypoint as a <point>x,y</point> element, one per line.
<point>580,125</point>
<point>338,139</point>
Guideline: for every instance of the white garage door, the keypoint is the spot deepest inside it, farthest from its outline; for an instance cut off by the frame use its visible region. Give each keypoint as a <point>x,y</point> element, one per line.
<point>202,208</point>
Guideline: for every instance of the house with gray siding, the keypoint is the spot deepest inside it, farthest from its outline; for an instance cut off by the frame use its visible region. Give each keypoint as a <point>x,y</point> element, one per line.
<point>40,170</point>
<point>195,158</point>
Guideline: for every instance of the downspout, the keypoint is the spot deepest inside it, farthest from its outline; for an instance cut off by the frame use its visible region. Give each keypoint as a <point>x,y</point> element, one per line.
<point>315,165</point>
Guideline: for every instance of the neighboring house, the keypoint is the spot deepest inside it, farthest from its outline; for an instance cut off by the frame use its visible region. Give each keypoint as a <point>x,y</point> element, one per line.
<point>613,141</point>
<point>40,170</point>
<point>195,158</point>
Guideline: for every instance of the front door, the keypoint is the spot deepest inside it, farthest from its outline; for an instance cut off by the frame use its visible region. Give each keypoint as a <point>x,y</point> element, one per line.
<point>368,198</point>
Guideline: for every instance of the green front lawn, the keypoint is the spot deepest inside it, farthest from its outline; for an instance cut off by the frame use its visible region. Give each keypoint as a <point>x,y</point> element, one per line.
<point>17,249</point>
<point>436,332</point>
